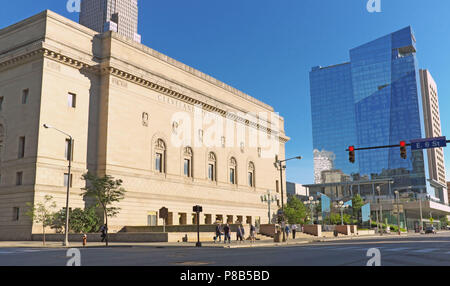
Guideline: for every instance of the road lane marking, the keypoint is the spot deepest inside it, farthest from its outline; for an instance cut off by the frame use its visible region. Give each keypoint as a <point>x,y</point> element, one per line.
<point>426,250</point>
<point>396,249</point>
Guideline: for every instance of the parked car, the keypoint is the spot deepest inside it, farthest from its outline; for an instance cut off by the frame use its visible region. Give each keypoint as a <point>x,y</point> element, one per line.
<point>430,229</point>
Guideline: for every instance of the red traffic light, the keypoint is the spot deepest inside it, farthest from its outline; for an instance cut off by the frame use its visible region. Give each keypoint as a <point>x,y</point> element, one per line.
<point>402,144</point>
<point>351,148</point>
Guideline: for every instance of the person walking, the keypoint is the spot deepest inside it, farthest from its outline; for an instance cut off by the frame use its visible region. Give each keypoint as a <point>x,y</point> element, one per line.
<point>252,233</point>
<point>226,232</point>
<point>287,230</point>
<point>294,230</point>
<point>242,232</point>
<point>103,230</point>
<point>218,233</point>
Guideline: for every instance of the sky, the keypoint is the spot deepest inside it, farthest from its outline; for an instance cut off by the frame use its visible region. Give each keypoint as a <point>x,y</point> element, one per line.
<point>266,48</point>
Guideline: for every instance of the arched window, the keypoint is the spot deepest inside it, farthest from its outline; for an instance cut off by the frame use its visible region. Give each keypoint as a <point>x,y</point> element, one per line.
<point>212,167</point>
<point>233,171</point>
<point>160,156</point>
<point>251,174</point>
<point>188,155</point>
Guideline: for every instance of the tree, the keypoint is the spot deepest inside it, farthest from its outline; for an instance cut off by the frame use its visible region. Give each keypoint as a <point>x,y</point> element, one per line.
<point>357,203</point>
<point>80,220</point>
<point>41,213</point>
<point>295,211</point>
<point>106,191</point>
<point>444,221</point>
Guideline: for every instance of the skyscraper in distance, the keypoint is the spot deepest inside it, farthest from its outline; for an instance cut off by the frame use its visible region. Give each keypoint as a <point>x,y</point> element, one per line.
<point>373,100</point>
<point>120,16</point>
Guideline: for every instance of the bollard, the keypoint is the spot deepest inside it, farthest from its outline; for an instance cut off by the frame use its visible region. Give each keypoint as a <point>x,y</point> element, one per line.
<point>84,240</point>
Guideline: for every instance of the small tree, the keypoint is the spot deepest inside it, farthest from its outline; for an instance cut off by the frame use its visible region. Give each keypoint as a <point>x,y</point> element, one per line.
<point>107,191</point>
<point>295,211</point>
<point>357,203</point>
<point>41,213</point>
<point>80,220</point>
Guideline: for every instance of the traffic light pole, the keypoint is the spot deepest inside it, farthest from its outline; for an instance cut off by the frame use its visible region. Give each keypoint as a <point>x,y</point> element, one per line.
<point>385,146</point>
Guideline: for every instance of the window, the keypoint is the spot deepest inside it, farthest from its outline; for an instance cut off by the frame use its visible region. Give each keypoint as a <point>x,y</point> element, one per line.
<point>1,103</point>
<point>21,147</point>
<point>25,93</point>
<point>68,150</point>
<point>66,179</point>
<point>188,154</point>
<point>160,156</point>
<point>158,162</point>
<point>251,174</point>
<point>19,178</point>
<point>233,166</point>
<point>71,100</point>
<point>212,166</point>
<point>187,167</point>
<point>16,213</point>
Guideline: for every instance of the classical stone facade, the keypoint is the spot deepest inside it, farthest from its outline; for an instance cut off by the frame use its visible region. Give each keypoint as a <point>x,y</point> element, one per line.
<point>131,112</point>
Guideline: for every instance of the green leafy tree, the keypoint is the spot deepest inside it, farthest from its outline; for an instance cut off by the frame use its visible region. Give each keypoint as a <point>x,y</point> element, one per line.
<point>295,211</point>
<point>357,203</point>
<point>41,213</point>
<point>444,221</point>
<point>106,191</point>
<point>80,220</point>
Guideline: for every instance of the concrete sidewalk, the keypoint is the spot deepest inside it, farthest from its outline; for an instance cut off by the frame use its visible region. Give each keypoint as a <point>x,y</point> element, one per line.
<point>233,244</point>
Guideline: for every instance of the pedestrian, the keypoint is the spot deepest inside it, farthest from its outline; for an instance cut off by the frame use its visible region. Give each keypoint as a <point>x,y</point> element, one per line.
<point>226,232</point>
<point>287,230</point>
<point>218,233</point>
<point>252,233</point>
<point>104,230</point>
<point>294,230</point>
<point>242,232</point>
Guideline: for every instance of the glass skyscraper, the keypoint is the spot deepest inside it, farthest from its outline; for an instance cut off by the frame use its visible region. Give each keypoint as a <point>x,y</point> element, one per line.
<point>371,100</point>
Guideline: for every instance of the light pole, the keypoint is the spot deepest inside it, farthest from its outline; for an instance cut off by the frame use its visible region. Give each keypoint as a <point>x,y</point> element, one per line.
<point>381,210</point>
<point>398,211</point>
<point>269,199</point>
<point>311,203</point>
<point>341,207</point>
<point>279,164</point>
<point>69,155</point>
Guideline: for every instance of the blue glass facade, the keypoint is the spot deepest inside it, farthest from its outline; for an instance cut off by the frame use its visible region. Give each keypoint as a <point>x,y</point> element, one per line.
<point>372,100</point>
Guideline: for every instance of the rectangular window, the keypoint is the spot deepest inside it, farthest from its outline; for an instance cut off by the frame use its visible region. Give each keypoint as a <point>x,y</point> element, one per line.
<point>277,187</point>
<point>1,102</point>
<point>68,150</point>
<point>187,171</point>
<point>19,178</point>
<point>25,93</point>
<point>158,162</point>
<point>250,179</point>
<point>211,172</point>
<point>21,147</point>
<point>66,179</point>
<point>232,176</point>
<point>71,100</point>
<point>16,213</point>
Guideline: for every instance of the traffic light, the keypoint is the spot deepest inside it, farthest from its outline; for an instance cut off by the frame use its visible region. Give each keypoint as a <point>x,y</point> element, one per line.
<point>403,150</point>
<point>351,154</point>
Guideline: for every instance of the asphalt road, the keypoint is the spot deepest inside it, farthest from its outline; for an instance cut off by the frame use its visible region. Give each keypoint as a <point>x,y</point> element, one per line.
<point>425,250</point>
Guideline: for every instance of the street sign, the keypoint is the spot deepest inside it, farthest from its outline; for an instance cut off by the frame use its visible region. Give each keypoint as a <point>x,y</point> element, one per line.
<point>163,213</point>
<point>427,143</point>
<point>197,209</point>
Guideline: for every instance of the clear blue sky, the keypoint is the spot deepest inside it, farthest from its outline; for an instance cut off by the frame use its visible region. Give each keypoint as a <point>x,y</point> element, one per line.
<point>266,48</point>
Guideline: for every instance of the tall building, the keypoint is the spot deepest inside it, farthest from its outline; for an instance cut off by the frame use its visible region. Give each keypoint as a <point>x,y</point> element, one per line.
<point>134,114</point>
<point>120,16</point>
<point>432,119</point>
<point>373,100</point>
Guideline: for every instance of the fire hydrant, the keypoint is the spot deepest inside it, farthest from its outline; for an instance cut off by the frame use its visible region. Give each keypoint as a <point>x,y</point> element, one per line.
<point>84,240</point>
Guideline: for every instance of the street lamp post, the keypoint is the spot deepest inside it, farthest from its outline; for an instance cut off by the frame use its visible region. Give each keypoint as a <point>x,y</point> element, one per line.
<point>279,164</point>
<point>398,211</point>
<point>69,155</point>
<point>311,203</point>
<point>341,207</point>
<point>269,199</point>
<point>381,210</point>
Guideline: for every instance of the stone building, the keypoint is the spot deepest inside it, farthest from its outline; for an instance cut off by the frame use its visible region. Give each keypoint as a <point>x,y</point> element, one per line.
<point>134,114</point>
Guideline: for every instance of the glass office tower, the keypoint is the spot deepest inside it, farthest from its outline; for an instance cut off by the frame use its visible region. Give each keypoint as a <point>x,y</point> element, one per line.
<point>370,101</point>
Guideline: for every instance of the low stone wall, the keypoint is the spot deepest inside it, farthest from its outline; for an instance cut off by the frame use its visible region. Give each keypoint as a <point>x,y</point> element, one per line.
<point>113,237</point>
<point>354,229</point>
<point>366,232</point>
<point>344,229</point>
<point>267,229</point>
<point>313,229</point>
